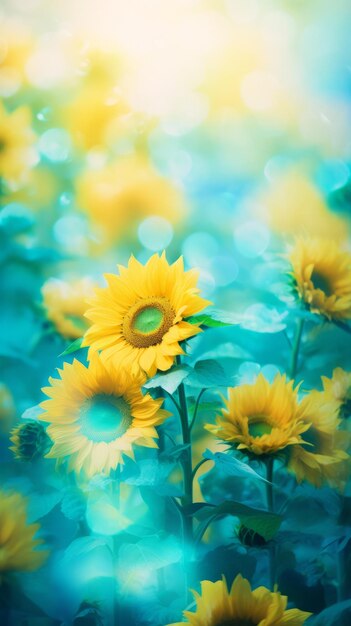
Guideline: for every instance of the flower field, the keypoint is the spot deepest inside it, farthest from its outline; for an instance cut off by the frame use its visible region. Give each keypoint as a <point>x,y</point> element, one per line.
<point>175,319</point>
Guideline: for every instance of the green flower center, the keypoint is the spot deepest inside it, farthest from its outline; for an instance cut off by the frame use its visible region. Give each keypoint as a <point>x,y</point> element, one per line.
<point>321,282</point>
<point>258,426</point>
<point>105,418</point>
<point>148,320</point>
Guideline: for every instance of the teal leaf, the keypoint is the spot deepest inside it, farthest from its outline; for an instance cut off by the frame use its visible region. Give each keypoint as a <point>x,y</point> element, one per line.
<point>15,219</point>
<point>208,373</point>
<point>73,347</point>
<point>262,522</point>
<point>228,350</point>
<point>345,327</point>
<point>232,466</point>
<point>32,413</point>
<point>153,473</point>
<point>171,380</point>
<point>41,503</point>
<point>173,454</point>
<point>338,614</point>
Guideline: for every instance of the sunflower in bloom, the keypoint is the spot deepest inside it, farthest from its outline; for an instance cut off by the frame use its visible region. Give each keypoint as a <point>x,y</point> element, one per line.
<point>261,418</point>
<point>338,387</point>
<point>16,139</point>
<point>17,538</point>
<point>140,318</point>
<point>321,458</point>
<point>96,414</point>
<point>65,303</point>
<point>322,277</point>
<point>241,606</point>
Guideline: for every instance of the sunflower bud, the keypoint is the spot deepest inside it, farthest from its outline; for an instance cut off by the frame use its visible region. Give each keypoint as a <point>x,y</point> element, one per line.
<point>30,441</point>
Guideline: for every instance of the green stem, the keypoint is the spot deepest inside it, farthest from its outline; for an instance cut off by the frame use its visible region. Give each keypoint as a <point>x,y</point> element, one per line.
<point>198,466</point>
<point>296,348</point>
<point>196,408</point>
<point>116,492</point>
<point>270,507</point>
<point>187,461</point>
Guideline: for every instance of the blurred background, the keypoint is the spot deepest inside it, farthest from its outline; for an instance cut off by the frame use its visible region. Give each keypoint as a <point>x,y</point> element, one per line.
<point>217,130</point>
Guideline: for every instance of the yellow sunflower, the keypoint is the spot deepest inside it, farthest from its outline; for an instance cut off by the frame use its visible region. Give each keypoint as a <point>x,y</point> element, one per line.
<point>338,387</point>
<point>262,418</point>
<point>123,193</point>
<point>140,318</point>
<point>321,458</point>
<point>97,414</point>
<point>322,277</point>
<point>217,606</point>
<point>16,139</point>
<point>65,303</point>
<point>17,538</point>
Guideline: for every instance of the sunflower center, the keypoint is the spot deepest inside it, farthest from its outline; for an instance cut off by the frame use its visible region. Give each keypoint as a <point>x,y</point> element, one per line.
<point>105,418</point>
<point>147,321</point>
<point>259,426</point>
<point>321,282</point>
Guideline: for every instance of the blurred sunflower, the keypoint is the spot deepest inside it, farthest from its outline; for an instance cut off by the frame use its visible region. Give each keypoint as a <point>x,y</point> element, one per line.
<point>16,140</point>
<point>322,277</point>
<point>30,441</point>
<point>17,542</point>
<point>97,414</point>
<point>321,458</point>
<point>140,318</point>
<point>120,195</point>
<point>240,606</point>
<point>16,46</point>
<point>262,418</point>
<point>338,387</point>
<point>65,304</point>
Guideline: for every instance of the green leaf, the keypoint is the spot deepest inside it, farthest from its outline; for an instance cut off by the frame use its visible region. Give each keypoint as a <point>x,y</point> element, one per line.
<point>262,522</point>
<point>73,347</point>
<point>215,319</point>
<point>171,380</point>
<point>232,466</point>
<point>208,373</point>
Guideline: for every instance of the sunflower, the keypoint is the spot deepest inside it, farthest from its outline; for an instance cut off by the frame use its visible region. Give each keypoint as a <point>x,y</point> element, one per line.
<point>338,387</point>
<point>97,414</point>
<point>217,606</point>
<point>120,195</point>
<point>65,303</point>
<point>262,418</point>
<point>322,277</point>
<point>17,542</point>
<point>30,441</point>
<point>16,139</point>
<point>321,458</point>
<point>140,318</point>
